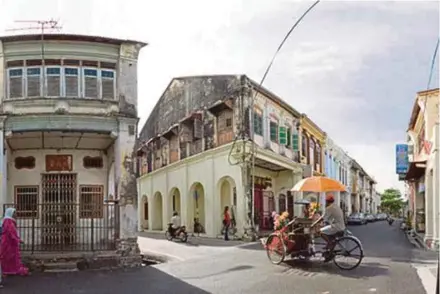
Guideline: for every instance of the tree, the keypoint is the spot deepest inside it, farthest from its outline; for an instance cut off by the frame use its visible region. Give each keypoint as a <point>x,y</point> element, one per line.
<point>391,201</point>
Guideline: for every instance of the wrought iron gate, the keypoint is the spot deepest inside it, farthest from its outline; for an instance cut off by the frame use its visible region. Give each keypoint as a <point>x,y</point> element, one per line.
<point>59,210</point>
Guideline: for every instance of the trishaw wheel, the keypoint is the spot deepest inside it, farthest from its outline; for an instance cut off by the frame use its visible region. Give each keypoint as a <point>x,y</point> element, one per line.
<point>349,248</point>
<point>275,249</point>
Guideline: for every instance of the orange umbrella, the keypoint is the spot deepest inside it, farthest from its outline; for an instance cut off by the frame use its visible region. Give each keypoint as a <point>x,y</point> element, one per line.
<point>318,184</point>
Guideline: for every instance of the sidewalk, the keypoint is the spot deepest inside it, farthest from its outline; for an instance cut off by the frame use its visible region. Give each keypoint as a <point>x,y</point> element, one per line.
<point>428,276</point>
<point>155,244</point>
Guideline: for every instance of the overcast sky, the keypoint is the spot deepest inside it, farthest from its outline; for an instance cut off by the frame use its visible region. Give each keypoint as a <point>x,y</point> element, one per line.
<point>353,67</point>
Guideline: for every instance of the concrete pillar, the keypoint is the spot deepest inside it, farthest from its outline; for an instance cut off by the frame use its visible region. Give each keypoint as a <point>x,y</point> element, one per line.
<point>358,202</point>
<point>429,202</point>
<point>297,176</point>
<point>126,190</point>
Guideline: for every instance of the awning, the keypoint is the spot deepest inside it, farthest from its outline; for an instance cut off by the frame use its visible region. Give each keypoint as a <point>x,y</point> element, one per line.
<point>193,116</point>
<point>219,106</point>
<point>415,170</point>
<point>172,131</point>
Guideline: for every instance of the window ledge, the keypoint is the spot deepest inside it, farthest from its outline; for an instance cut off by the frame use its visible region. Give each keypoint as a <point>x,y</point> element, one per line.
<point>49,101</point>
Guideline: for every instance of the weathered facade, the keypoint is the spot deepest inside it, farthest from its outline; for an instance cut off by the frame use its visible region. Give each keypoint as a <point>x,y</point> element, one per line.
<point>68,131</point>
<point>422,176</point>
<point>337,166</point>
<point>196,157</point>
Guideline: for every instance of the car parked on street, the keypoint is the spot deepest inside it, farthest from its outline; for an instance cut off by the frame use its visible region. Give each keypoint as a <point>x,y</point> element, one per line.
<point>370,218</point>
<point>357,219</point>
<point>382,216</point>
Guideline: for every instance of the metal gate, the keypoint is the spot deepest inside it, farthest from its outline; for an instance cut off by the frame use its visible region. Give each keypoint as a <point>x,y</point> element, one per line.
<point>59,210</point>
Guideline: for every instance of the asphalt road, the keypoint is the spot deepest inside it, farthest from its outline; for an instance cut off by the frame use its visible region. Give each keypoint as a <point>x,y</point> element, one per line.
<point>387,268</point>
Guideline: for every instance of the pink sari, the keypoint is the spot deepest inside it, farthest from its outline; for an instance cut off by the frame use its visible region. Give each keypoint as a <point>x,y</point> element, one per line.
<point>10,250</point>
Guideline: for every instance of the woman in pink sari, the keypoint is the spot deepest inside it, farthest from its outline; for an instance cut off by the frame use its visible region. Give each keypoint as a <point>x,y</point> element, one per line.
<point>10,246</point>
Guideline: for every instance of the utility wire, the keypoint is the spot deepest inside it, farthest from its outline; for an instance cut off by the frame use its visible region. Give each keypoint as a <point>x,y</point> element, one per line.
<point>270,66</point>
<point>431,73</point>
<point>433,64</point>
<point>285,39</point>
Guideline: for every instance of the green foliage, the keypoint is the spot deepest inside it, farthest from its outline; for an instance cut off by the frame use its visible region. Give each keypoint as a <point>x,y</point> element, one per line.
<point>392,201</point>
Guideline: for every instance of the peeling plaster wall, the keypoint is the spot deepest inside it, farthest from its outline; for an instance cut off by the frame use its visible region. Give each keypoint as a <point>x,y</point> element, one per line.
<point>186,95</point>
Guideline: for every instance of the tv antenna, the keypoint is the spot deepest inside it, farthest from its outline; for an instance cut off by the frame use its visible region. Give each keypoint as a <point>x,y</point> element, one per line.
<point>42,26</point>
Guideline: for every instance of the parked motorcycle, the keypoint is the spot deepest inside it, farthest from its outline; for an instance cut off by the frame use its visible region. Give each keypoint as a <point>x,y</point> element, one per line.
<point>180,233</point>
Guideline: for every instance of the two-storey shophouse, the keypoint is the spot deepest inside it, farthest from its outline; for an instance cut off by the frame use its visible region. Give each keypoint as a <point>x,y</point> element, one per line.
<point>217,141</point>
<point>68,128</point>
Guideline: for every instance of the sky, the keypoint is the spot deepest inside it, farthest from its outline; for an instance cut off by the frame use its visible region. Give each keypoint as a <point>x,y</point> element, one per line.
<point>353,67</point>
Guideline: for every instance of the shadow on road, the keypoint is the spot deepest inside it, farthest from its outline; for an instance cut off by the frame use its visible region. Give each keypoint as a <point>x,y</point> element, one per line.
<point>364,271</point>
<point>234,269</point>
<point>140,280</point>
<point>383,241</point>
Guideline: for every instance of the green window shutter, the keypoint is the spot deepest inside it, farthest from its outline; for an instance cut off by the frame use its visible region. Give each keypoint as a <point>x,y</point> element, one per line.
<point>273,132</point>
<point>258,124</point>
<point>289,137</point>
<point>295,142</point>
<point>283,136</point>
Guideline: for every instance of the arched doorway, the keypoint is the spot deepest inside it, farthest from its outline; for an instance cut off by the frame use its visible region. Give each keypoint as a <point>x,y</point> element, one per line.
<point>144,212</point>
<point>174,199</point>
<point>196,206</point>
<point>227,193</point>
<point>157,223</point>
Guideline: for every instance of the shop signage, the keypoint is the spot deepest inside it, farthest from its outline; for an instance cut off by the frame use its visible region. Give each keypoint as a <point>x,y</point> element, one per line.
<point>402,161</point>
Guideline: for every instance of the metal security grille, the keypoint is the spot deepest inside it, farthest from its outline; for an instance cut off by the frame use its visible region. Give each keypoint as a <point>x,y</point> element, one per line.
<point>91,201</point>
<point>26,200</point>
<point>59,209</point>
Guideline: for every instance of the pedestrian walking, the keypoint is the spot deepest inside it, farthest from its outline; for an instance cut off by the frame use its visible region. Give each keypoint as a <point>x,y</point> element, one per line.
<point>10,246</point>
<point>226,222</point>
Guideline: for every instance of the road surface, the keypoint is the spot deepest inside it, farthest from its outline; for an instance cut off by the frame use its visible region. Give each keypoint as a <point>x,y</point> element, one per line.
<point>390,267</point>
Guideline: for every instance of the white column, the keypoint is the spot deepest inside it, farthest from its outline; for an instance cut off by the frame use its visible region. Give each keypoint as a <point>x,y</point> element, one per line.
<point>429,195</point>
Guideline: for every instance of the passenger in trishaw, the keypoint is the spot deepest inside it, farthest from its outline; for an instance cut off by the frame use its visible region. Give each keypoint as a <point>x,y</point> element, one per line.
<point>334,218</point>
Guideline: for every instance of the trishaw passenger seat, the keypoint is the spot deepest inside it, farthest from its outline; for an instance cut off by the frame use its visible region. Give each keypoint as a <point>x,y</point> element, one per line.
<point>339,234</point>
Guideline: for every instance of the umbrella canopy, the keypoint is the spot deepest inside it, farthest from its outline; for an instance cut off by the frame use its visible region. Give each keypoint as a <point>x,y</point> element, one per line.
<point>318,184</point>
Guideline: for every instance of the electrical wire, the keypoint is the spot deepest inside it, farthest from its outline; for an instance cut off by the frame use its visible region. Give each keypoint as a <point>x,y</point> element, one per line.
<point>430,73</point>
<point>265,75</point>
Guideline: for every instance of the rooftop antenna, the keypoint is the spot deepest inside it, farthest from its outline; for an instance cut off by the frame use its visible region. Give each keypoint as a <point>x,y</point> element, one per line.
<point>42,26</point>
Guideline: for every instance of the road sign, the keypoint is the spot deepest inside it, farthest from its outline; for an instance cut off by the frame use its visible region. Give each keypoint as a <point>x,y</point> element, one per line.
<point>402,161</point>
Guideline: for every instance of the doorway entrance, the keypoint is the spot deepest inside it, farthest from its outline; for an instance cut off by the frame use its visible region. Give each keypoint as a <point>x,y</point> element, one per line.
<point>59,210</point>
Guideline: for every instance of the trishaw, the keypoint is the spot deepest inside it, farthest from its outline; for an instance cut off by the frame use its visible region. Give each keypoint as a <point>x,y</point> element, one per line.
<point>297,239</point>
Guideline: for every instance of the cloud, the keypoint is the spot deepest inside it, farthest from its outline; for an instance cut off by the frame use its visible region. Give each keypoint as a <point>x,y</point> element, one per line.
<point>353,66</point>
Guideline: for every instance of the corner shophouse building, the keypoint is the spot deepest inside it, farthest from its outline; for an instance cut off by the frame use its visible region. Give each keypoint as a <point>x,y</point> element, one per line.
<point>185,159</point>
<point>423,176</point>
<point>68,133</point>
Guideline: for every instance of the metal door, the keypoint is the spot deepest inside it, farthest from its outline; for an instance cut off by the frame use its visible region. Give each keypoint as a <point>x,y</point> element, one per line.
<point>58,210</point>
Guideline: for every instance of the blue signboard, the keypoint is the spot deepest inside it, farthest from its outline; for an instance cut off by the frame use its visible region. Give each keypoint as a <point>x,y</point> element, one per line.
<point>402,161</point>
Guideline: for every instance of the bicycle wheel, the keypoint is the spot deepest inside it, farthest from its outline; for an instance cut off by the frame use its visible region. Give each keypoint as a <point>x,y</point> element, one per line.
<point>275,249</point>
<point>346,247</point>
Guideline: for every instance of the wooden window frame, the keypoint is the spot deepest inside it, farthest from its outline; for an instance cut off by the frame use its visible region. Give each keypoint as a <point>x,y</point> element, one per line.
<point>78,77</point>
<point>34,213</point>
<point>305,146</point>
<point>23,94</point>
<point>83,82</point>
<point>91,214</point>
<point>26,87</point>
<point>277,130</point>
<point>258,127</point>
<point>107,78</point>
<point>45,82</point>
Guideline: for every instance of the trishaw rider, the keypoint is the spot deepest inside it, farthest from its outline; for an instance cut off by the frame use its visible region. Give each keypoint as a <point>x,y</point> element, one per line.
<point>334,217</point>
